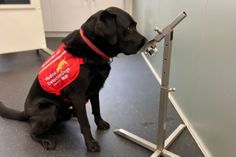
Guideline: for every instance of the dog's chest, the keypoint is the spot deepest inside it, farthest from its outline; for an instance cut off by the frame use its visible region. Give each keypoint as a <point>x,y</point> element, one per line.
<point>98,75</point>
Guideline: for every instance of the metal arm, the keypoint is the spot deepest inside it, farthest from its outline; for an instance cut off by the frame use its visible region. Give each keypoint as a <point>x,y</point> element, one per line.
<point>170,27</point>
<point>150,47</point>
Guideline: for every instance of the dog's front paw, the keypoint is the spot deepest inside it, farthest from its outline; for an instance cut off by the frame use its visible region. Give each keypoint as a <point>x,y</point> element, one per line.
<point>92,146</point>
<point>102,125</point>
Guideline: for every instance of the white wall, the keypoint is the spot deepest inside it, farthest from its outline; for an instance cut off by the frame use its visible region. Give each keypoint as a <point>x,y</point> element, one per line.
<point>203,62</point>
<point>21,27</point>
<point>62,17</point>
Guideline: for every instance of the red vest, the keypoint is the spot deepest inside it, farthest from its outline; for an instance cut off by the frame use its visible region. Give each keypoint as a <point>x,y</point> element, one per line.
<point>59,70</point>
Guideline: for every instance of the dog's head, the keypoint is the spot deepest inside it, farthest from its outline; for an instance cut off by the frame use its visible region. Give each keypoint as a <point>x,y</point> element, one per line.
<point>113,31</point>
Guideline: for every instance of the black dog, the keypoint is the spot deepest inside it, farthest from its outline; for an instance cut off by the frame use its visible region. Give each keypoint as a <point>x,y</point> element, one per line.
<point>111,31</point>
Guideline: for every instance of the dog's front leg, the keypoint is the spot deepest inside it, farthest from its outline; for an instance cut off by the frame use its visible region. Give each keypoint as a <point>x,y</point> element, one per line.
<point>80,110</point>
<point>101,124</point>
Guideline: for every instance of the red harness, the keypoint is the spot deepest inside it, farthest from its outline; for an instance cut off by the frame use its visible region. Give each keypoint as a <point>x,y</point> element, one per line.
<point>59,70</point>
<point>62,68</point>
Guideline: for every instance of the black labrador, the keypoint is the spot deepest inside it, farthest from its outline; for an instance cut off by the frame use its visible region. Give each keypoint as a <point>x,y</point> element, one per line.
<point>111,31</point>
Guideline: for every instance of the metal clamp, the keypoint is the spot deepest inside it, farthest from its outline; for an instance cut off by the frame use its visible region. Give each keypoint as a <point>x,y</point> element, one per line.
<point>172,90</point>
<point>158,30</point>
<point>169,89</point>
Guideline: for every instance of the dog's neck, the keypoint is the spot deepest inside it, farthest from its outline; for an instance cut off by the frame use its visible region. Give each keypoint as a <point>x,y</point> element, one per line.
<point>76,45</point>
<point>92,46</point>
<point>100,42</point>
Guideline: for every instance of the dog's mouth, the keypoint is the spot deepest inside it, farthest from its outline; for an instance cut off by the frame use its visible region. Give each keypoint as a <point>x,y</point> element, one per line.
<point>136,48</point>
<point>142,42</point>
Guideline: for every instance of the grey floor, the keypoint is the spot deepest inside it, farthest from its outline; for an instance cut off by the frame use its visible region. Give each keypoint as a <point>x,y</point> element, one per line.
<point>129,100</point>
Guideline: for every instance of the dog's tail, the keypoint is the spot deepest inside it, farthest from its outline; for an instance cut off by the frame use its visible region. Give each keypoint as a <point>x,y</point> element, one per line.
<point>11,113</point>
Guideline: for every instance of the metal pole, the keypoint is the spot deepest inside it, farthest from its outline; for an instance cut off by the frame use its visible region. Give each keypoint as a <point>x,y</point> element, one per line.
<point>162,121</point>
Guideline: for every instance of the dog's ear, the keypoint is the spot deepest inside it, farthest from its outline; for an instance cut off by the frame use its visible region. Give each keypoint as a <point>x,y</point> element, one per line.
<point>106,27</point>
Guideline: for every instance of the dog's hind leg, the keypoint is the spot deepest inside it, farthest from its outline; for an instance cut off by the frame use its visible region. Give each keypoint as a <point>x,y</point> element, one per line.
<point>41,123</point>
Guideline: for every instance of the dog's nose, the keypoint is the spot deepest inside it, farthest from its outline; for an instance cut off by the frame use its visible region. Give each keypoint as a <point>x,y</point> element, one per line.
<point>144,40</point>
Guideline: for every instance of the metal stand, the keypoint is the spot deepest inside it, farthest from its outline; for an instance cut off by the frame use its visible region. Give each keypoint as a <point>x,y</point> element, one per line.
<point>47,50</point>
<point>160,148</point>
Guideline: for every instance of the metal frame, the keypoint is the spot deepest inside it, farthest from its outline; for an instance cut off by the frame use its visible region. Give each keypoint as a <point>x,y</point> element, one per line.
<point>47,50</point>
<point>160,148</point>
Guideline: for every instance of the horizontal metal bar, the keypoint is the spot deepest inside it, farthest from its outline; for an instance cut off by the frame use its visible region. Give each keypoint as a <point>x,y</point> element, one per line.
<point>177,20</point>
<point>174,135</point>
<point>167,153</point>
<point>134,138</point>
<point>48,51</point>
<point>157,153</point>
<point>170,27</point>
<point>159,37</point>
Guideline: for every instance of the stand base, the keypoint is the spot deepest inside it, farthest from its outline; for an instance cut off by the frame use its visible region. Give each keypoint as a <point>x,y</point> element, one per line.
<point>47,50</point>
<point>150,146</point>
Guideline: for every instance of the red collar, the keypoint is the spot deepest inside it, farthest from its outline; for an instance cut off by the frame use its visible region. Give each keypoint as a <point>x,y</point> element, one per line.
<point>92,46</point>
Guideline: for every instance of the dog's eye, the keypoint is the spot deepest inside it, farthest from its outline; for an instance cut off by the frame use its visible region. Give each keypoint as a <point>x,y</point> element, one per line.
<point>130,29</point>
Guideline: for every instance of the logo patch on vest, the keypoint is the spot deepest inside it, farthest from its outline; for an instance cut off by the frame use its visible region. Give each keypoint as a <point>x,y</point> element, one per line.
<point>59,70</point>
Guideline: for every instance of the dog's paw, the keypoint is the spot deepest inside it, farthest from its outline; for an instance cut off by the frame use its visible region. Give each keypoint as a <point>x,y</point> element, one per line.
<point>102,125</point>
<point>49,144</point>
<point>93,146</point>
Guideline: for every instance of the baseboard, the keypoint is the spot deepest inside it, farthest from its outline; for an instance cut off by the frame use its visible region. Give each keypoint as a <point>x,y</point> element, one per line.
<point>194,134</point>
<point>56,34</point>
